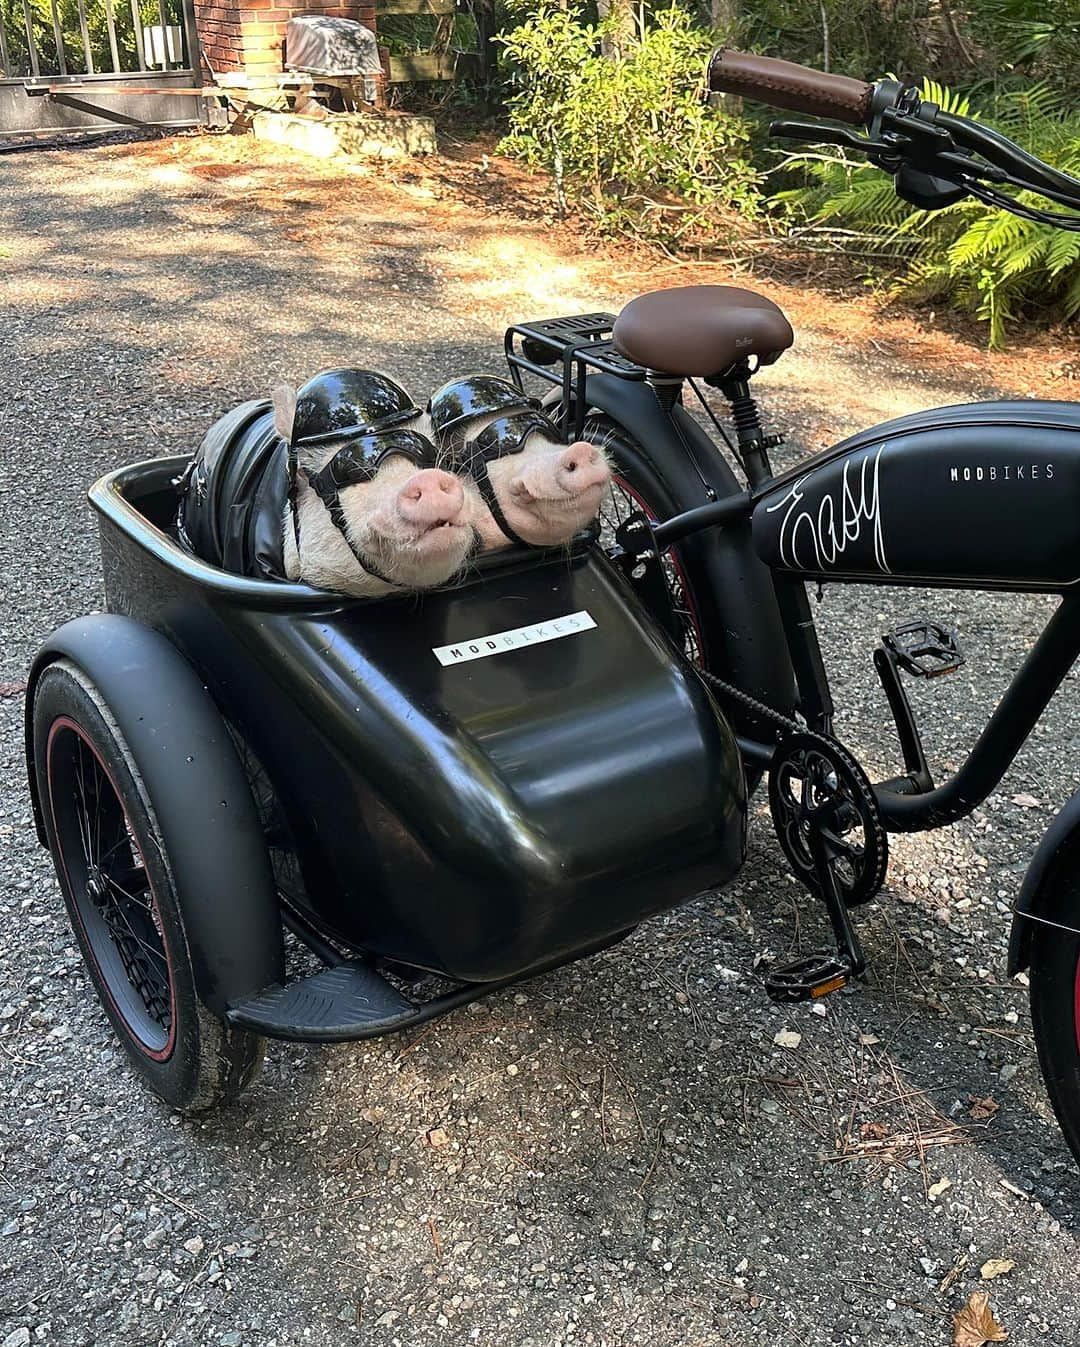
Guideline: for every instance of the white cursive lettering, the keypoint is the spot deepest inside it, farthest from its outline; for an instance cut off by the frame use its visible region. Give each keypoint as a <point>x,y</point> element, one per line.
<point>837,522</point>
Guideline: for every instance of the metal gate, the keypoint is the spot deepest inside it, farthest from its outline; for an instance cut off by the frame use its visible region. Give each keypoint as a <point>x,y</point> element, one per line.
<point>95,64</point>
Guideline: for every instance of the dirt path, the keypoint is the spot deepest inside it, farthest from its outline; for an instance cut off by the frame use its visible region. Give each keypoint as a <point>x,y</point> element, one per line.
<point>619,1153</point>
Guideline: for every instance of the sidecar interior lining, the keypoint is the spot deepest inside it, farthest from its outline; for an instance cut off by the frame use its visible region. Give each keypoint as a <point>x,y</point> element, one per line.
<point>697,330</point>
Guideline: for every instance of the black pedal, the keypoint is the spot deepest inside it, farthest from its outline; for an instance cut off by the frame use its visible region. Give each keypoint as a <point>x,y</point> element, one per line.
<point>807,979</point>
<point>925,649</point>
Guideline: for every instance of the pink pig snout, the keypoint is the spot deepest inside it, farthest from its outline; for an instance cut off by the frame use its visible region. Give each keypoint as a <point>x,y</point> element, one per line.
<point>431,497</point>
<point>580,466</point>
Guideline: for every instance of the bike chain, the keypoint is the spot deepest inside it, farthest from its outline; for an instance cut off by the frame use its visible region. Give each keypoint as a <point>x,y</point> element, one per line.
<point>752,704</point>
<point>877,839</point>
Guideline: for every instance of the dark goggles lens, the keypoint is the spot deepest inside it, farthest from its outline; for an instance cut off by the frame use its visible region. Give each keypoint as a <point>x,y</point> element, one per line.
<point>361,458</point>
<point>506,436</point>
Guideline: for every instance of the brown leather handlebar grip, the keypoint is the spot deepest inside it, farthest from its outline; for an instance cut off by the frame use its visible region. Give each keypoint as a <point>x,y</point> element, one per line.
<point>783,84</point>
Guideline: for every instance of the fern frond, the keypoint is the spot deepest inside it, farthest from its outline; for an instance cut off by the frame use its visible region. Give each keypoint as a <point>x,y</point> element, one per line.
<point>948,100</point>
<point>1070,298</point>
<point>1063,250</point>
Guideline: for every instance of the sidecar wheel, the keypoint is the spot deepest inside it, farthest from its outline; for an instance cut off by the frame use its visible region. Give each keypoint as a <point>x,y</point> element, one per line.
<point>115,875</point>
<point>1055,1017</point>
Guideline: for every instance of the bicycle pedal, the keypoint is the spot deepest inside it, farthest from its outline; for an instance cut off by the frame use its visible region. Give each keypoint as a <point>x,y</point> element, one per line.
<point>807,979</point>
<point>925,649</point>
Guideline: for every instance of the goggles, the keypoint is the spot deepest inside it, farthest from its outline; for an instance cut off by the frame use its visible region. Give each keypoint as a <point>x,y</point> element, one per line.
<point>356,463</point>
<point>503,437</point>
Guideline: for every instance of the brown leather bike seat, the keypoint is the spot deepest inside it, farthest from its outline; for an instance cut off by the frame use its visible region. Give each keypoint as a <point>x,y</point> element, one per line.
<point>701,329</point>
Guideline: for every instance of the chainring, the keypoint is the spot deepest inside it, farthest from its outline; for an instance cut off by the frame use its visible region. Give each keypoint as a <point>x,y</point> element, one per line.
<point>817,791</point>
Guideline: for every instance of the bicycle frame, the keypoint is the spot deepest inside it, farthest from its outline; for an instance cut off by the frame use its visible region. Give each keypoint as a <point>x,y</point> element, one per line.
<point>909,803</point>
<point>904,808</point>
<point>592,375</point>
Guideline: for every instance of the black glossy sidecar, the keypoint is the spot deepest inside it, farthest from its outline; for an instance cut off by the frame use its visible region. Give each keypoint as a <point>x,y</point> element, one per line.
<point>436,794</point>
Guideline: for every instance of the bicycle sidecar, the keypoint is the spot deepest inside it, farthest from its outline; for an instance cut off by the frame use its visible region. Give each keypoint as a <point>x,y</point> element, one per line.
<point>478,783</point>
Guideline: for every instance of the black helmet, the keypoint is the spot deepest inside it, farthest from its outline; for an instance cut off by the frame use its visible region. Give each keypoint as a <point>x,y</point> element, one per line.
<point>476,395</point>
<point>341,402</point>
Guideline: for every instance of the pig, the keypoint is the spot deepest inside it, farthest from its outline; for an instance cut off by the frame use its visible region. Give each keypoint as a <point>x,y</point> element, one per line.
<point>547,492</point>
<point>528,486</point>
<point>408,528</point>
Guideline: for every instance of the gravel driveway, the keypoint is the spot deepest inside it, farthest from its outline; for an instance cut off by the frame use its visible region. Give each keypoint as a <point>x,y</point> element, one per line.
<point>618,1153</point>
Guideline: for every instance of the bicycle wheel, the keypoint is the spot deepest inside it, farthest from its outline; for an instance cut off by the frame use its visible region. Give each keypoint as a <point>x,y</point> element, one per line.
<point>637,487</point>
<point>1055,1016</point>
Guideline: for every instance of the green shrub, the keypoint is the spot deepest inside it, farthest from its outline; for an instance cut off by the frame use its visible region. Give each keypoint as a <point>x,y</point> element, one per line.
<point>627,138</point>
<point>973,255</point>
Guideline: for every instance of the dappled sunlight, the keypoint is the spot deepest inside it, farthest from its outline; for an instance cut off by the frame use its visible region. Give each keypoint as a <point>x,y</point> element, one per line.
<point>523,272</point>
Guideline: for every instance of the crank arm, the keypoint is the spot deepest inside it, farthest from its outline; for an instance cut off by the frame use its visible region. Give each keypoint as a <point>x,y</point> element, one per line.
<point>839,917</point>
<point>917,778</point>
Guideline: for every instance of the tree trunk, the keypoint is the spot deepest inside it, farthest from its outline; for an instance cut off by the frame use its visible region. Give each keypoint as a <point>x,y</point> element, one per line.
<point>724,15</point>
<point>622,11</point>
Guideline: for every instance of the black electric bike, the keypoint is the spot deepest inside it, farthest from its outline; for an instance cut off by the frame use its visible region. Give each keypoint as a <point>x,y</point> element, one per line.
<point>723,565</point>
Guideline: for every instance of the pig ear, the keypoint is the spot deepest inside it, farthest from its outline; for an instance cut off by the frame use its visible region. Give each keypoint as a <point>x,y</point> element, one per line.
<point>283,396</point>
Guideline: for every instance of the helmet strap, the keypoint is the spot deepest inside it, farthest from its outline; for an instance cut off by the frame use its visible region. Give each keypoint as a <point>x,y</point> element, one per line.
<point>478,471</point>
<point>328,494</point>
<point>292,462</point>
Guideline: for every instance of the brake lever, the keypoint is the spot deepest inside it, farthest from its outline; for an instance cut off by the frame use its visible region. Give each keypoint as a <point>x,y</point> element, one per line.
<point>832,135</point>
<point>818,132</point>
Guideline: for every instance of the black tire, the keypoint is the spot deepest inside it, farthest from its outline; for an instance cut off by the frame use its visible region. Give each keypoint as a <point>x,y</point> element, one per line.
<point>1055,1016</point>
<point>101,829</point>
<point>638,486</point>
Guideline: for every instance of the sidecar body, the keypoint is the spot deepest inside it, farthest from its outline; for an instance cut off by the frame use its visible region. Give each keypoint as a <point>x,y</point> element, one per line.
<point>477,783</point>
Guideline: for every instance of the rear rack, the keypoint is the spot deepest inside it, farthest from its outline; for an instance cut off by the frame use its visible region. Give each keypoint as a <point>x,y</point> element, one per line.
<point>579,344</point>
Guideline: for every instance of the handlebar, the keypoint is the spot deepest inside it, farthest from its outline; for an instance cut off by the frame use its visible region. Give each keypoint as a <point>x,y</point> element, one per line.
<point>936,157</point>
<point>783,84</point>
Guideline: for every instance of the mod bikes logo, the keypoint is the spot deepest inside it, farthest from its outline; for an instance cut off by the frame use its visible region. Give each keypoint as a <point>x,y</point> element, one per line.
<point>498,642</point>
<point>1002,472</point>
<point>817,531</point>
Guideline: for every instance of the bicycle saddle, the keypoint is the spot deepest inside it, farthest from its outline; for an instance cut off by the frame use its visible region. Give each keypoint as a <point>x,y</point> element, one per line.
<point>700,329</point>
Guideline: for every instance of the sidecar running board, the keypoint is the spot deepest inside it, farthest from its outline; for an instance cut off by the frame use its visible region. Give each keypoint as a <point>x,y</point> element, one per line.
<point>350,1000</point>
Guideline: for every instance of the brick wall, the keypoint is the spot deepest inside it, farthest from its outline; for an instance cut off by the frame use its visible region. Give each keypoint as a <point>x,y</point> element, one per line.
<point>247,34</point>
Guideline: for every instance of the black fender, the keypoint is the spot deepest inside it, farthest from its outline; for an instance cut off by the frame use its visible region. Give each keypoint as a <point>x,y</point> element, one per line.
<point>1042,892</point>
<point>745,622</point>
<point>200,796</point>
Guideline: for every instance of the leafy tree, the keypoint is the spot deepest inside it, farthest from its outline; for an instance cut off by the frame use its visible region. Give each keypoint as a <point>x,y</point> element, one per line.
<point>627,136</point>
